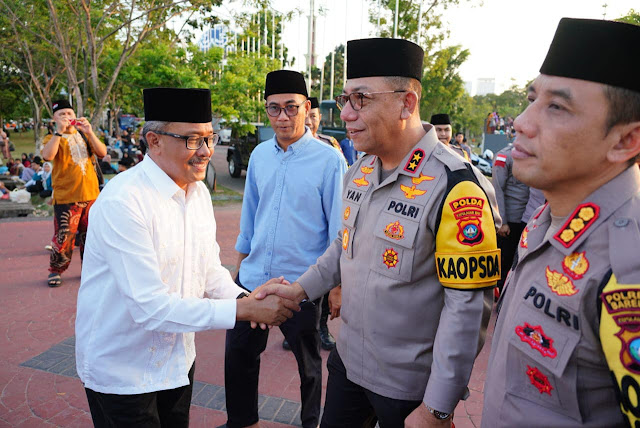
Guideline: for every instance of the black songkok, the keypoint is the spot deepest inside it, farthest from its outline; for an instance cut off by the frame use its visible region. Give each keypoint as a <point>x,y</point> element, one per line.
<point>440,119</point>
<point>60,104</point>
<point>314,102</point>
<point>177,105</point>
<point>384,57</point>
<point>595,50</point>
<point>285,82</point>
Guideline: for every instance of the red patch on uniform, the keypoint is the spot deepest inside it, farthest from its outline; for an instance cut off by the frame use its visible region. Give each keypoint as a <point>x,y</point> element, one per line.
<point>539,380</point>
<point>501,160</point>
<point>390,258</point>
<point>523,238</point>
<point>535,337</point>
<point>582,218</point>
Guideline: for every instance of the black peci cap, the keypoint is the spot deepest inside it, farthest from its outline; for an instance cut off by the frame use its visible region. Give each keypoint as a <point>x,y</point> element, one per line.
<point>285,82</point>
<point>597,51</point>
<point>440,119</point>
<point>177,105</point>
<point>384,57</point>
<point>60,104</point>
<point>314,102</point>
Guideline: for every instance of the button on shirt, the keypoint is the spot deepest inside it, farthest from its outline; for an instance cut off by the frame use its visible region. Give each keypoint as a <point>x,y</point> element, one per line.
<point>290,210</point>
<point>151,276</point>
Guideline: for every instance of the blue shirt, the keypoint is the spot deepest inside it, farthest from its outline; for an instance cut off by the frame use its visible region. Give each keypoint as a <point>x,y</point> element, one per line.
<point>290,209</point>
<point>350,152</point>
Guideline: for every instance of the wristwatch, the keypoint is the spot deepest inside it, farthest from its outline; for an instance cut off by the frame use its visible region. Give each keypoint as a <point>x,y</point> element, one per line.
<point>242,295</point>
<point>57,134</point>
<point>439,415</point>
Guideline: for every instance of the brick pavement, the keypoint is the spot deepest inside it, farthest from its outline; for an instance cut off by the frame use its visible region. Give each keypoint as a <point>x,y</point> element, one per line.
<point>38,384</point>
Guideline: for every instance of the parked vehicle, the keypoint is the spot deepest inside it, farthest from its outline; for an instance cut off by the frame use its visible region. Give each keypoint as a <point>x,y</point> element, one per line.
<point>482,164</point>
<point>241,148</point>
<point>331,124</point>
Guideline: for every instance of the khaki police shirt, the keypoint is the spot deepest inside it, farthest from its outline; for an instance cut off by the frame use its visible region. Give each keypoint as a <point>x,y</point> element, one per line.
<point>416,273</point>
<point>512,194</point>
<point>552,358</point>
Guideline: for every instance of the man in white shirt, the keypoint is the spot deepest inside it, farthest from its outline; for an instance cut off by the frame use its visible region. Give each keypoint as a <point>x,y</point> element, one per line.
<point>152,275</point>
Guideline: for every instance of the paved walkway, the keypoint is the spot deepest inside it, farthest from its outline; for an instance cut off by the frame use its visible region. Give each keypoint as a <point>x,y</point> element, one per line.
<point>38,383</point>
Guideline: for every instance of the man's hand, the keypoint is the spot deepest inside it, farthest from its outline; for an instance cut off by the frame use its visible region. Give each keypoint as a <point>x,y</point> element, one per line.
<point>335,302</point>
<point>83,125</point>
<point>270,310</point>
<point>504,230</point>
<point>421,417</point>
<point>293,292</point>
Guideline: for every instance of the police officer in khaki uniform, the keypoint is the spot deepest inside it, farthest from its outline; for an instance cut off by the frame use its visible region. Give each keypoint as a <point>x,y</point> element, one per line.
<point>566,348</point>
<point>416,256</point>
<point>442,123</point>
<point>512,195</point>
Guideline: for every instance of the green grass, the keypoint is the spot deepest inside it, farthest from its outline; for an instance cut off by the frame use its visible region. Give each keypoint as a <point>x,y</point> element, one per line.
<point>23,141</point>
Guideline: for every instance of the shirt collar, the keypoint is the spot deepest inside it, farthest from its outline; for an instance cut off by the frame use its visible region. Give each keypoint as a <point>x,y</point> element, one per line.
<point>299,144</point>
<point>162,182</point>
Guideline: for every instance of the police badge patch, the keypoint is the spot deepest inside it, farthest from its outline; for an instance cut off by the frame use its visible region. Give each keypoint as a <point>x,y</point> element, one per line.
<point>535,337</point>
<point>539,380</point>
<point>468,212</point>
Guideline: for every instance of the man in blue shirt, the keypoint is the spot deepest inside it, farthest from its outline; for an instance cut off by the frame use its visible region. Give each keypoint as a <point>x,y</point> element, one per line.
<point>349,151</point>
<point>291,212</point>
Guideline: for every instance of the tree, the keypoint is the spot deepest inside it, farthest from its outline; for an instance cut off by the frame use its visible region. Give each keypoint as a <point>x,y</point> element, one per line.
<point>338,74</point>
<point>421,22</point>
<point>632,17</point>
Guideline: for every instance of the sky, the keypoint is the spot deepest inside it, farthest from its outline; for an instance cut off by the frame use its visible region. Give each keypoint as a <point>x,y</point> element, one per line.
<point>507,39</point>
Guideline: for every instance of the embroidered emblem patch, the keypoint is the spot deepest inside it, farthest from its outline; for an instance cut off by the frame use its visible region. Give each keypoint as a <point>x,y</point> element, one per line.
<point>535,337</point>
<point>626,303</point>
<point>575,265</point>
<point>345,239</point>
<point>578,223</point>
<point>362,181</point>
<point>421,178</point>
<point>539,380</point>
<point>390,258</point>
<point>394,230</point>
<point>468,212</point>
<point>347,213</point>
<point>411,192</point>
<point>414,161</point>
<point>524,243</point>
<point>560,284</point>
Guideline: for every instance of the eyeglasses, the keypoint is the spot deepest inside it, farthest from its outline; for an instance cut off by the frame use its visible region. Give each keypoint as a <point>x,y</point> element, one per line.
<point>355,98</point>
<point>290,110</point>
<point>192,142</point>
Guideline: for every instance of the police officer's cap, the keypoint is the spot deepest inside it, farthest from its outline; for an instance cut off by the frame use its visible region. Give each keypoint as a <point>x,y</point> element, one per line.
<point>177,105</point>
<point>285,82</point>
<point>384,57</point>
<point>595,50</point>
<point>440,119</point>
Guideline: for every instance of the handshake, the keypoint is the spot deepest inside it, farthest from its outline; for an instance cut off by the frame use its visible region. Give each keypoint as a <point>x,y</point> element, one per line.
<point>271,304</point>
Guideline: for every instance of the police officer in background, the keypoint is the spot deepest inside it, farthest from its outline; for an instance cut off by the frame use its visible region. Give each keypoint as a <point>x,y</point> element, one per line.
<point>416,256</point>
<point>442,124</point>
<point>313,122</point>
<point>566,344</point>
<point>512,195</point>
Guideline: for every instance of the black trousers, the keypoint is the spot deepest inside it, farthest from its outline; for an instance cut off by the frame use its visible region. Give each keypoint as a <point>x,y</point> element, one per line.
<point>349,405</point>
<point>508,247</point>
<point>242,366</point>
<point>166,409</point>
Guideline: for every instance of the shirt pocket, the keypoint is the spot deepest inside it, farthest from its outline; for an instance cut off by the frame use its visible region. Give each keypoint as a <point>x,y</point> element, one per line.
<point>394,247</point>
<point>538,367</point>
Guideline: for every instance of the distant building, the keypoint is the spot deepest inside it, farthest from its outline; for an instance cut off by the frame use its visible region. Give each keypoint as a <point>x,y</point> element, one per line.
<point>468,87</point>
<point>486,86</point>
<point>217,36</point>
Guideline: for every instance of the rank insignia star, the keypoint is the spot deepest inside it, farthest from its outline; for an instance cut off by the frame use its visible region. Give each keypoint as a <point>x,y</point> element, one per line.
<point>539,380</point>
<point>415,160</point>
<point>559,283</point>
<point>575,265</point>
<point>390,258</point>
<point>411,192</point>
